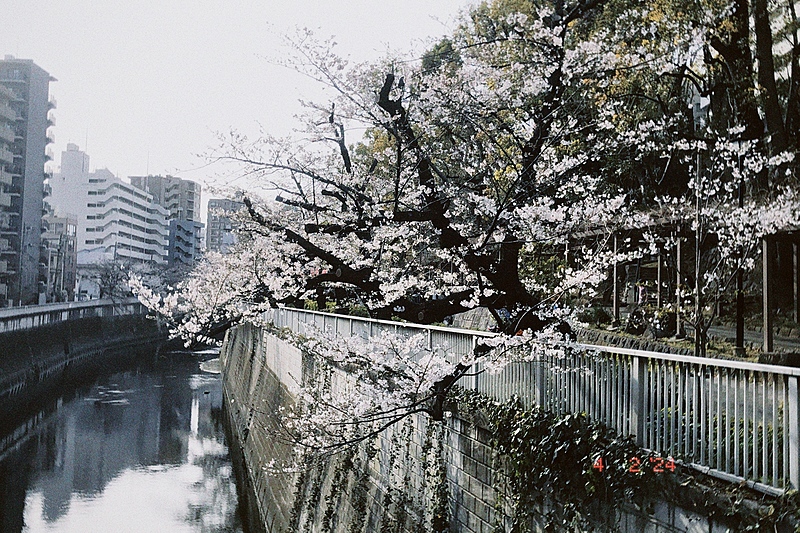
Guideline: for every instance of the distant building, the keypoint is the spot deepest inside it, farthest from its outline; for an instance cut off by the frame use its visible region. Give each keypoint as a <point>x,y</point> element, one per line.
<point>60,249</point>
<point>182,199</point>
<point>179,196</point>
<point>115,220</point>
<point>24,120</point>
<point>219,231</point>
<point>184,242</point>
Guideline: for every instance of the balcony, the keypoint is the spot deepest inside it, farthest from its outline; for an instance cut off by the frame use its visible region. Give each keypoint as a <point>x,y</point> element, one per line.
<point>6,156</point>
<point>47,190</point>
<point>48,156</point>
<point>51,120</point>
<point>5,200</point>
<point>7,134</point>
<point>3,267</point>
<point>3,290</point>
<point>5,177</point>
<point>52,103</point>
<point>7,113</point>
<point>4,245</point>
<point>50,138</point>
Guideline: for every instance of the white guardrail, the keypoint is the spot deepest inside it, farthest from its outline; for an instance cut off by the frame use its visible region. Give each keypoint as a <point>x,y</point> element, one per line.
<point>32,316</point>
<point>734,420</point>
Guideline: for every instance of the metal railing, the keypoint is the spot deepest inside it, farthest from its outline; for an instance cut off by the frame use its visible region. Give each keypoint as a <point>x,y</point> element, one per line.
<point>32,316</point>
<point>734,420</point>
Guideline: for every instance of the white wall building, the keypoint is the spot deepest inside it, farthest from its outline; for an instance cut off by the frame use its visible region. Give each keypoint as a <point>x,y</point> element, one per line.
<point>116,221</point>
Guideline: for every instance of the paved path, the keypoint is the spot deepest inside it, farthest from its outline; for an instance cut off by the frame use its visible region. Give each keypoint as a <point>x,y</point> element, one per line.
<point>756,338</point>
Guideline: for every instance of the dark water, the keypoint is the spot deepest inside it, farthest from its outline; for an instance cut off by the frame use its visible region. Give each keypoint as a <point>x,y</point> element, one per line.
<point>136,451</point>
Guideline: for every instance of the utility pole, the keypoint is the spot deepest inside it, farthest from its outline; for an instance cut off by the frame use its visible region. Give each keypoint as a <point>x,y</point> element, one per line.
<point>739,349</point>
<point>698,307</point>
<point>21,253</point>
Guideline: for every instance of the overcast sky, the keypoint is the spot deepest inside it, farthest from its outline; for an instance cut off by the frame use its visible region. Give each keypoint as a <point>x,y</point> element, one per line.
<point>144,84</point>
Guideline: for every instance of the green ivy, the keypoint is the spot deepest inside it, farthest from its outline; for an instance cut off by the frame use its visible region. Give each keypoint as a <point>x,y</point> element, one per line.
<point>549,467</point>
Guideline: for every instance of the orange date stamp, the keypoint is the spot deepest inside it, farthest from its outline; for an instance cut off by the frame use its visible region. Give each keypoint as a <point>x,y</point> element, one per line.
<point>657,465</point>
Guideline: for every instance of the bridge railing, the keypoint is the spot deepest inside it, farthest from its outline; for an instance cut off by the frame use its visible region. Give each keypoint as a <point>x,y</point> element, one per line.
<point>735,420</point>
<point>32,316</point>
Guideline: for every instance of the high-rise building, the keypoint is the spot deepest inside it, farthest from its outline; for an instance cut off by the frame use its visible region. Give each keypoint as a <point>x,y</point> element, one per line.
<point>219,235</point>
<point>182,199</point>
<point>115,220</point>
<point>9,253</point>
<point>25,104</point>
<point>184,242</point>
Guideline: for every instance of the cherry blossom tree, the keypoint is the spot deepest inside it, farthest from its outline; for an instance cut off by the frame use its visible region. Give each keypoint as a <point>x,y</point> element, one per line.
<point>535,128</point>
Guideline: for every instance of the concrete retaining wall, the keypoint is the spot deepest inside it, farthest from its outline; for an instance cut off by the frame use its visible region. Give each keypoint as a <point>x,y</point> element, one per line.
<point>33,361</point>
<point>392,483</point>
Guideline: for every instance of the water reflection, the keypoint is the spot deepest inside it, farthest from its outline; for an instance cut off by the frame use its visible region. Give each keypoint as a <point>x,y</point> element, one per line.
<point>137,451</point>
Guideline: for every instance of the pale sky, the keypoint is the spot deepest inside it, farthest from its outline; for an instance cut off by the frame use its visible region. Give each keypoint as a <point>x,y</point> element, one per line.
<point>143,85</point>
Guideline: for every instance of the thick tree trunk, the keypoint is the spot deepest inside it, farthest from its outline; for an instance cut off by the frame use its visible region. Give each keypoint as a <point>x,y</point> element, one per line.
<point>737,78</point>
<point>766,78</point>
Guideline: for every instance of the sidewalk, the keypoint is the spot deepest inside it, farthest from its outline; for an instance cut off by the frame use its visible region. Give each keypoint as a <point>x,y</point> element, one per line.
<point>755,339</point>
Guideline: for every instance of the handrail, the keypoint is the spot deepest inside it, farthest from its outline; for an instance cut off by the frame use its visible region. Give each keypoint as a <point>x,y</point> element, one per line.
<point>724,363</point>
<point>732,419</point>
<point>32,316</point>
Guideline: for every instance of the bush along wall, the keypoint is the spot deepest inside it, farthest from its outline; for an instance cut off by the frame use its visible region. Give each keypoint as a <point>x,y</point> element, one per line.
<point>565,473</point>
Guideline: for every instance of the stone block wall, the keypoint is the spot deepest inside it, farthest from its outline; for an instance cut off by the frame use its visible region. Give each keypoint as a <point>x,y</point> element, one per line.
<point>398,482</point>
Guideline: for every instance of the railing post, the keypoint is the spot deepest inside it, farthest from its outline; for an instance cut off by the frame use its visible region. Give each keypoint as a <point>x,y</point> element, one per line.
<point>475,365</point>
<point>638,376</point>
<point>538,372</point>
<point>794,432</point>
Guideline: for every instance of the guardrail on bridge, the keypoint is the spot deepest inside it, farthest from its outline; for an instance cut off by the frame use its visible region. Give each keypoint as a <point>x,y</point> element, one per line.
<point>734,420</point>
<point>32,316</point>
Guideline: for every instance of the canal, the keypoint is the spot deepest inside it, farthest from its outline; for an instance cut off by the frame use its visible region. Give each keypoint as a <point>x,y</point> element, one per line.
<point>136,449</point>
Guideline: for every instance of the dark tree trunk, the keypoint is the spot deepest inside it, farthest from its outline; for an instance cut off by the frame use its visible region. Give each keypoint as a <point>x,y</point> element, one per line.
<point>766,78</point>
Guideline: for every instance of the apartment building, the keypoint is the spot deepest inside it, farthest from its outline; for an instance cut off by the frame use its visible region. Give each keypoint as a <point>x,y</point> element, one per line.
<point>25,117</point>
<point>181,198</point>
<point>219,234</point>
<point>115,220</point>
<point>59,242</point>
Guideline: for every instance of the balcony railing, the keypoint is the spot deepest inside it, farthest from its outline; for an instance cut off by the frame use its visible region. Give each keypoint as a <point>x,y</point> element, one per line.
<point>7,113</point>
<point>733,420</point>
<point>7,134</point>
